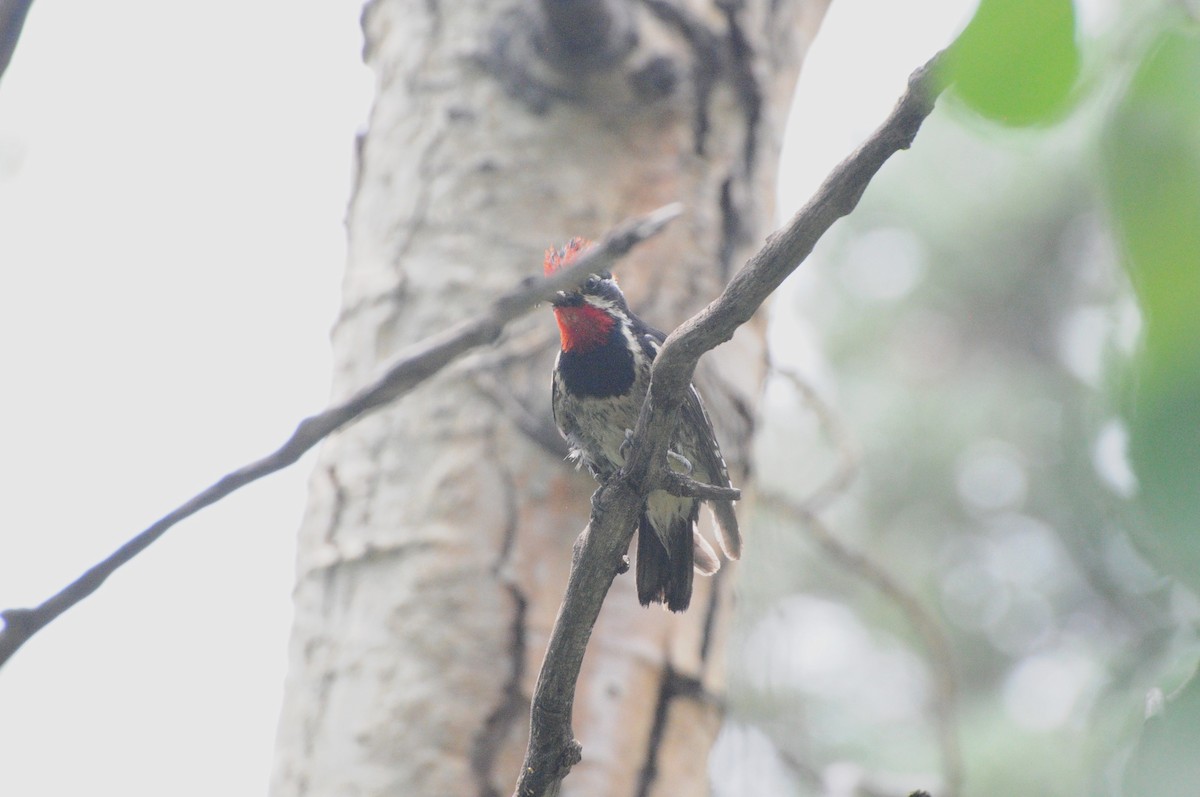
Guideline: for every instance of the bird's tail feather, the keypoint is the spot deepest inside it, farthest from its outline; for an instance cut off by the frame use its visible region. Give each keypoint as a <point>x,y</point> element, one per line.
<point>705,558</point>
<point>665,576</point>
<point>727,528</point>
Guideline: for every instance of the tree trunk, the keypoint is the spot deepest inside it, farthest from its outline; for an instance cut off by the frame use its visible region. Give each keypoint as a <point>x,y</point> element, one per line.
<point>438,535</point>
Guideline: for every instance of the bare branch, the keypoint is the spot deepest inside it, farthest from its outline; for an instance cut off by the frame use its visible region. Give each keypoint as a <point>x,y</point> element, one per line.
<point>12,20</point>
<point>413,366</point>
<point>936,646</point>
<point>552,747</point>
<point>841,477</point>
<point>678,484</point>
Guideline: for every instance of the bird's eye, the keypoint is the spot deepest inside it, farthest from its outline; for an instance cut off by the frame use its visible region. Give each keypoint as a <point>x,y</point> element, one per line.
<point>593,282</point>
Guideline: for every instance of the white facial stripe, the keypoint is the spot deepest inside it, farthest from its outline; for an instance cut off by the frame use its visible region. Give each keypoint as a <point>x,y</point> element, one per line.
<point>630,341</point>
<point>600,303</point>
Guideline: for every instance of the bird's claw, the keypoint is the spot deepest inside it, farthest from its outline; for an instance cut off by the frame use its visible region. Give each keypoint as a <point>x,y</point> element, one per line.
<point>626,444</point>
<point>682,460</point>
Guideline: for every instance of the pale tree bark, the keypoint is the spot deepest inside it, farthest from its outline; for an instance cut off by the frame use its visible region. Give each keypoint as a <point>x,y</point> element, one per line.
<point>438,536</point>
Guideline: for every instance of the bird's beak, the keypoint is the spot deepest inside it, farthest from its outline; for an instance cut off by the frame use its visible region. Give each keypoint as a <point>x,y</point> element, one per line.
<point>566,299</point>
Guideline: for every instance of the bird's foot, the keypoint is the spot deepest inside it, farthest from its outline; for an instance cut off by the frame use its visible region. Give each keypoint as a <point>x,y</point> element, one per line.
<point>680,459</point>
<point>626,444</point>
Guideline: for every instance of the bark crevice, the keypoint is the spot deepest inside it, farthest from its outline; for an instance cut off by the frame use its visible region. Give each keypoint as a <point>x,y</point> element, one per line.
<point>513,703</point>
<point>711,609</point>
<point>745,83</point>
<point>674,685</point>
<point>510,56</point>
<point>707,64</point>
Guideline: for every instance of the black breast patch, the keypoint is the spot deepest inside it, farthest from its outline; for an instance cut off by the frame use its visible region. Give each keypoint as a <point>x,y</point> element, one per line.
<point>600,372</point>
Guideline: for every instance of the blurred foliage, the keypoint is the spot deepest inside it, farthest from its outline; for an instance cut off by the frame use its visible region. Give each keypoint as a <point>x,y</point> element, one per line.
<point>1023,407</point>
<point>1151,157</point>
<point>1152,170</point>
<point>1016,62</point>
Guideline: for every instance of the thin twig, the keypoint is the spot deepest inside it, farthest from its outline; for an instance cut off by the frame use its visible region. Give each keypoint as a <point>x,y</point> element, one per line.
<point>552,748</point>
<point>678,484</point>
<point>411,368</point>
<point>935,644</point>
<point>843,475</point>
<point>937,648</point>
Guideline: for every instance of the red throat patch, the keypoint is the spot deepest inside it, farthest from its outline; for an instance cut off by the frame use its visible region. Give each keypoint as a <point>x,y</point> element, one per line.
<point>583,327</point>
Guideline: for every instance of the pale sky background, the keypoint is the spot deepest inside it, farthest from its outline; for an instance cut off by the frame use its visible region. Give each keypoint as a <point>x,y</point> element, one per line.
<point>173,180</point>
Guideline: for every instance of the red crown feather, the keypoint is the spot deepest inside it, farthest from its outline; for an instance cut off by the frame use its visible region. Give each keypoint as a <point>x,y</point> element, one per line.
<point>557,258</point>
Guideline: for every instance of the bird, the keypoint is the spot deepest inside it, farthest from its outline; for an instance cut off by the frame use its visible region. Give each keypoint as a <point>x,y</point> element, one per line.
<point>599,383</point>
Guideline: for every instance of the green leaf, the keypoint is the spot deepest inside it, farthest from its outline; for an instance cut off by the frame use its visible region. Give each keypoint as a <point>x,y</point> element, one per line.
<point>1016,62</point>
<point>1152,178</point>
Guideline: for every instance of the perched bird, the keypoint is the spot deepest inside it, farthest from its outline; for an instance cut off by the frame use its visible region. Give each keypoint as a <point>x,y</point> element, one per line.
<point>600,380</point>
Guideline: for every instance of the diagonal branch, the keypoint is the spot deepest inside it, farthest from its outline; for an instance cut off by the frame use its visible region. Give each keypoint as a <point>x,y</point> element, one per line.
<point>415,365</point>
<point>598,551</point>
<point>12,20</point>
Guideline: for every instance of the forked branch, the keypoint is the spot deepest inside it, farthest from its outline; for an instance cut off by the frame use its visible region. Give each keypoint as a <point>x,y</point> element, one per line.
<point>552,747</point>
